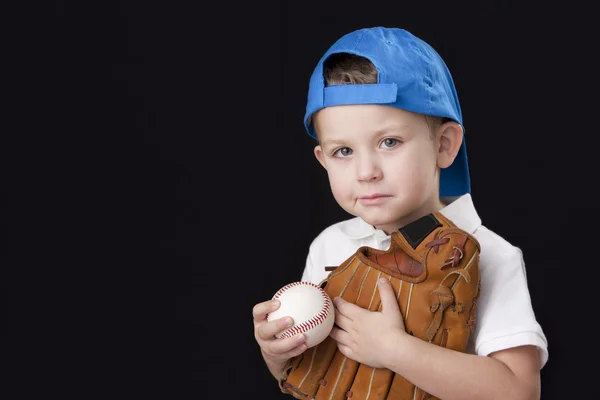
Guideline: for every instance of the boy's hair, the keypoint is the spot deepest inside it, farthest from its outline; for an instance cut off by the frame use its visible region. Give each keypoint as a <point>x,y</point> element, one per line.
<point>349,69</point>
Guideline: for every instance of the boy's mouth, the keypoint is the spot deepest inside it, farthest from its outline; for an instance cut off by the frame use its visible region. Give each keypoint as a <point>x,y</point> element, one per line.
<point>373,199</point>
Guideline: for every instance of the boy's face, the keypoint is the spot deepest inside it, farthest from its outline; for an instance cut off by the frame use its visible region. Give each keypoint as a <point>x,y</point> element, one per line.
<point>382,162</point>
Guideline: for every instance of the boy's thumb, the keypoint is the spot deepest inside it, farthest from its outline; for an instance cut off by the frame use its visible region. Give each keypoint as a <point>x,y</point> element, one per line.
<point>389,304</point>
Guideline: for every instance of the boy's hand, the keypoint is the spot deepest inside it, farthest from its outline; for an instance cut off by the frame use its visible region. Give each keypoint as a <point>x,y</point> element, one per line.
<point>275,351</point>
<point>361,334</point>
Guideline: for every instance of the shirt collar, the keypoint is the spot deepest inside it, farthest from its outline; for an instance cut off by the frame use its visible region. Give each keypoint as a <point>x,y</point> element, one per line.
<point>460,210</point>
<point>357,228</point>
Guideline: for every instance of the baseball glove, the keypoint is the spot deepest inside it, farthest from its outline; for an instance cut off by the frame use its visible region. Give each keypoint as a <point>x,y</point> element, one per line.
<point>433,267</point>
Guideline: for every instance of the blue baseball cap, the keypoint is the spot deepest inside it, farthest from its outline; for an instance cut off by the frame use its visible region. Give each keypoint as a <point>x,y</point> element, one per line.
<point>411,76</point>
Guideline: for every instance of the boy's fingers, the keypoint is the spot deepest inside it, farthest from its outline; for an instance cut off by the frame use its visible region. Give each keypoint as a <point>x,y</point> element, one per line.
<point>270,329</point>
<point>389,304</point>
<point>290,347</point>
<point>260,310</point>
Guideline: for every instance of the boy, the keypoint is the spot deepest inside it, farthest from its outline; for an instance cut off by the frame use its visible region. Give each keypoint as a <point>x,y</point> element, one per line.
<point>383,108</point>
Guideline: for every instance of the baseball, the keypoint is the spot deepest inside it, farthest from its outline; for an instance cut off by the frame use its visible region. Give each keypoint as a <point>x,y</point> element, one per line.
<point>311,309</point>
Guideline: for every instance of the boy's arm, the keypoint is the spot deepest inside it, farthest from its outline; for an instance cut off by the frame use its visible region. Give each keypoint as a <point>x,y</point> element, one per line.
<point>508,374</point>
<point>379,339</point>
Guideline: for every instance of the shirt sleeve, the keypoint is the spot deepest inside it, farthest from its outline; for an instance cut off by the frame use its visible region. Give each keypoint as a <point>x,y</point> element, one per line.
<point>308,275</point>
<point>318,257</point>
<point>505,317</point>
<point>308,269</point>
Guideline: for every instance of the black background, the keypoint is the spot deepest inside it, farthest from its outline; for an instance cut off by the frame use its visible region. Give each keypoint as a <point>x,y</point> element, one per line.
<point>168,183</point>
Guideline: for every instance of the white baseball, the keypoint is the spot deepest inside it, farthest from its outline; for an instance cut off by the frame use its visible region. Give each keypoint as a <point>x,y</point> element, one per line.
<point>311,309</point>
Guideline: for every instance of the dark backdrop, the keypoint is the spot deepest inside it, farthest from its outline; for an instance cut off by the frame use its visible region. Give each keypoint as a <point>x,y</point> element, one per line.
<point>185,190</point>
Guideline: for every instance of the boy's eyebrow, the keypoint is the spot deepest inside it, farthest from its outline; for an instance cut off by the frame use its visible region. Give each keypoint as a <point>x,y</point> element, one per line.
<point>378,132</point>
<point>390,128</point>
<point>330,142</point>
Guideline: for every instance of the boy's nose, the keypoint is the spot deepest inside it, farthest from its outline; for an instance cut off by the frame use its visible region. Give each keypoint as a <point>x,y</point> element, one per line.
<point>368,170</point>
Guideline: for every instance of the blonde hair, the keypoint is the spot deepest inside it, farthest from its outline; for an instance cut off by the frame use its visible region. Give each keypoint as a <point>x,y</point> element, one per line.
<point>350,69</point>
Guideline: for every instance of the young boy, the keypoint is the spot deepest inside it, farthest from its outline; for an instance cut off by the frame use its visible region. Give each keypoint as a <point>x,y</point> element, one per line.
<point>384,110</point>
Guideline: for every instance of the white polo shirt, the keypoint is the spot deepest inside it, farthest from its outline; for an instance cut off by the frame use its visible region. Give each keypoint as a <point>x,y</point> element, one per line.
<point>504,315</point>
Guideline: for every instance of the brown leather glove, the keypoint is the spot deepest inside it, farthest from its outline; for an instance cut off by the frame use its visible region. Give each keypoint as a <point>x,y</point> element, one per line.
<point>434,269</point>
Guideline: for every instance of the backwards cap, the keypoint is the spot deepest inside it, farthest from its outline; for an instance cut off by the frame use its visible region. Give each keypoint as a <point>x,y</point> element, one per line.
<point>411,76</point>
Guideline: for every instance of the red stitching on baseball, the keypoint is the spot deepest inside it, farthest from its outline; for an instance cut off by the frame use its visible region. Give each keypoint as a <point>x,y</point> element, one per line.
<point>314,321</point>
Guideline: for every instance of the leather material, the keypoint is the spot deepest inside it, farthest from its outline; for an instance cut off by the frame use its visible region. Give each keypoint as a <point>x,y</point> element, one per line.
<point>437,286</point>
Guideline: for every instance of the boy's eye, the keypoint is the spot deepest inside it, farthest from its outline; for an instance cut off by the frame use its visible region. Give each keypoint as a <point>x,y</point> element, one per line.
<point>389,142</point>
<point>343,152</point>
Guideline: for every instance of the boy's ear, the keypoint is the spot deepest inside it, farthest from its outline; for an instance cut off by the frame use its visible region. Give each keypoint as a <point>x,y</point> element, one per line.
<point>319,155</point>
<point>450,138</point>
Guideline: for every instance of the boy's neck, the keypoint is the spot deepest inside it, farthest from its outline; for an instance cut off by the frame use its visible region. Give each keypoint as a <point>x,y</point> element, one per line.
<point>432,206</point>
